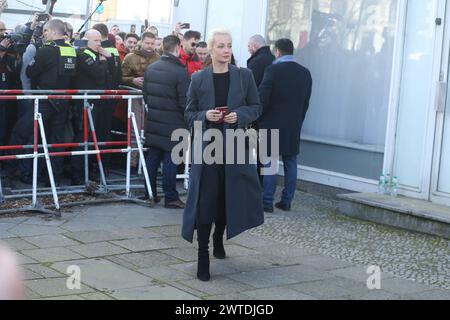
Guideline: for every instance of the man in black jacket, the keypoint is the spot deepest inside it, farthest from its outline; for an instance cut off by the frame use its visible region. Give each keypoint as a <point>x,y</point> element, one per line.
<point>54,67</point>
<point>261,57</point>
<point>166,83</point>
<point>114,80</point>
<point>285,93</point>
<point>95,66</point>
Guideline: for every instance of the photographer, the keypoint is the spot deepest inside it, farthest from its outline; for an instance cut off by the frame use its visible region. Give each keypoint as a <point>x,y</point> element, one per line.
<point>9,74</point>
<point>23,129</point>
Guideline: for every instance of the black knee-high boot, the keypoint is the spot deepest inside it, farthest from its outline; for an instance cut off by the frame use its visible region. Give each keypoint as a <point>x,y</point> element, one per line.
<point>219,250</point>
<point>203,234</point>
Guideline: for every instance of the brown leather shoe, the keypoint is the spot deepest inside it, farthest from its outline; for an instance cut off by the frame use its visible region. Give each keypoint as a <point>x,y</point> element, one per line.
<point>175,205</point>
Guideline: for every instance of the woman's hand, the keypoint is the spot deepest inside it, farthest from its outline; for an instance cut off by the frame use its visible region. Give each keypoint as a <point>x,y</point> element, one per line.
<point>231,118</point>
<point>213,115</point>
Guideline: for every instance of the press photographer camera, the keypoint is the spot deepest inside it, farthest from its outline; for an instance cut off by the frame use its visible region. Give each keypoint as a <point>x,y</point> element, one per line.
<point>14,44</point>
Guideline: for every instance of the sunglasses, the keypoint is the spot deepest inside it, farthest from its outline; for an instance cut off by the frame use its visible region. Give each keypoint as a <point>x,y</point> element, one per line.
<point>194,45</point>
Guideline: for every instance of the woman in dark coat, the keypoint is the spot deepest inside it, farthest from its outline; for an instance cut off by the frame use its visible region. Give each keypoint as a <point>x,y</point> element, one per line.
<point>229,195</point>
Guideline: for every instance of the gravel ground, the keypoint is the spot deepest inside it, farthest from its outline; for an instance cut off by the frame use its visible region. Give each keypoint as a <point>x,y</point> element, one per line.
<point>315,224</point>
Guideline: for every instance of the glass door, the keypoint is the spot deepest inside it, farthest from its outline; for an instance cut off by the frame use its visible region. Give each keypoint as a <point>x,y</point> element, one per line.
<point>441,164</point>
<point>416,116</point>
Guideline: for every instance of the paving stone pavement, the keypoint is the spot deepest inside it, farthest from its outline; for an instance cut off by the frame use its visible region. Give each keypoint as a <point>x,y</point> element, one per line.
<point>126,251</point>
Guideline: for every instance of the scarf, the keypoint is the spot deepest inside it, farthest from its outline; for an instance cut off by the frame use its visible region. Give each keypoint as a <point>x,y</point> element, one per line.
<point>286,58</point>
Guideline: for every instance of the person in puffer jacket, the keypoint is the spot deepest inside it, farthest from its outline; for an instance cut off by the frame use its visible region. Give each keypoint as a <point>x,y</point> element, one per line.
<point>166,83</point>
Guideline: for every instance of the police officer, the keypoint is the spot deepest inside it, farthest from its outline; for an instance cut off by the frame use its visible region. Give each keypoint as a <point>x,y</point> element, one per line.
<point>95,67</point>
<point>54,67</point>
<point>113,81</point>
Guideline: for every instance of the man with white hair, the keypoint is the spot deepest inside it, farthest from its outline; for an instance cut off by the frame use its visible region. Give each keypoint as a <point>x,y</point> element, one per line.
<point>261,57</point>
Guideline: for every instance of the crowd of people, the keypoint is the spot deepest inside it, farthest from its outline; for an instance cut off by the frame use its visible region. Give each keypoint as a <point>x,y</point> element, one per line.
<point>184,80</point>
<point>49,56</point>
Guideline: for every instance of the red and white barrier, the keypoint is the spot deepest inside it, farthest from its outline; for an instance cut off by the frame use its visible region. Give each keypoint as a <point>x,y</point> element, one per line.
<point>88,124</point>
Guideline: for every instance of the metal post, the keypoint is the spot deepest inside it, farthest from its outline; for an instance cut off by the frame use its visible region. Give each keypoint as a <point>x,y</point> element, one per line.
<point>142,136</point>
<point>35,152</point>
<point>2,198</point>
<point>86,140</point>
<point>49,163</point>
<point>99,157</point>
<point>130,111</point>
<point>141,154</point>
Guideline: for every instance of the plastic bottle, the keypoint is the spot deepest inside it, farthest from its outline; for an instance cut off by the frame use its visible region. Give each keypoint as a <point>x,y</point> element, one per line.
<point>387,185</point>
<point>382,184</point>
<point>394,187</point>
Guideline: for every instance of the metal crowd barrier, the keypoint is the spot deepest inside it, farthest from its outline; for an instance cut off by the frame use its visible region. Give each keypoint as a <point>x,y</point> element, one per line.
<point>88,123</point>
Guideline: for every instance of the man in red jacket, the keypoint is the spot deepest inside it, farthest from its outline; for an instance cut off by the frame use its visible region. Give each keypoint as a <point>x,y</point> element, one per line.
<point>188,53</point>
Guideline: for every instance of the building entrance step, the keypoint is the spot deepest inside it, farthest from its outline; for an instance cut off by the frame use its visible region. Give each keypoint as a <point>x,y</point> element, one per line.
<point>406,213</point>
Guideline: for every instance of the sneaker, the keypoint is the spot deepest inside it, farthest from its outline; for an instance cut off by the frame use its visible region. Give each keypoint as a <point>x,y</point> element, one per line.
<point>268,208</point>
<point>145,197</point>
<point>175,205</point>
<point>283,207</point>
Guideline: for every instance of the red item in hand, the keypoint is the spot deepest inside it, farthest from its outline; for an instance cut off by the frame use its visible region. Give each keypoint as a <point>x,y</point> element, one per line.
<point>224,111</point>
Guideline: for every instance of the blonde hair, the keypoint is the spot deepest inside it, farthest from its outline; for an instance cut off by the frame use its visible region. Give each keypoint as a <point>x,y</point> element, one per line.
<point>214,34</point>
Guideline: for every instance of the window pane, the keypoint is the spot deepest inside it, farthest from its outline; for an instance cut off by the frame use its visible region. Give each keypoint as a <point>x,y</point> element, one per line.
<point>348,47</point>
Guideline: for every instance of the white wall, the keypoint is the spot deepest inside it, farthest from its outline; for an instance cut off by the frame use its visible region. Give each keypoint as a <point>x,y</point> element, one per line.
<point>193,12</point>
<point>243,18</point>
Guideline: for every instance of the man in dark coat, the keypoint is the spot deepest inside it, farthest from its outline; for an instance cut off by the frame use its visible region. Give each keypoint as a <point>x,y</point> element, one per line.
<point>285,93</point>
<point>261,57</point>
<point>166,83</point>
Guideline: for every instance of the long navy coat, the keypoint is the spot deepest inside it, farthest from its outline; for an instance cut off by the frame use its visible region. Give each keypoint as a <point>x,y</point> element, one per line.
<point>285,93</point>
<point>243,196</point>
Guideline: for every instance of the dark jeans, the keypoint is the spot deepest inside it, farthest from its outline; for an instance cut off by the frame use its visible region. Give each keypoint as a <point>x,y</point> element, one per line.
<point>290,182</point>
<point>154,159</point>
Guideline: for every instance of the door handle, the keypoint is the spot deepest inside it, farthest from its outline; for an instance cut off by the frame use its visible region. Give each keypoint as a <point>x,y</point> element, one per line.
<point>441,97</point>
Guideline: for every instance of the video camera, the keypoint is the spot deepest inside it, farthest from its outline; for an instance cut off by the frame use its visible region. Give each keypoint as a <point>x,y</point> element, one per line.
<point>18,43</point>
